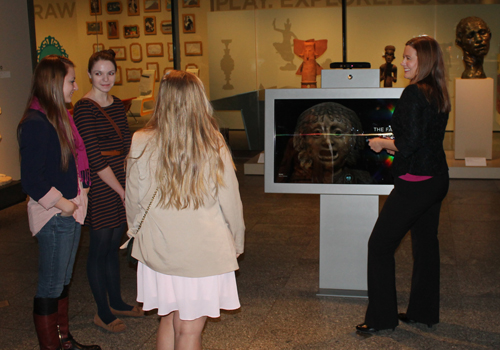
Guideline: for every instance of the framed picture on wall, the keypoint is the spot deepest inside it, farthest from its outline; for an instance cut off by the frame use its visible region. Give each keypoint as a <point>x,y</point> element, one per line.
<point>149,25</point>
<point>131,31</point>
<point>133,8</point>
<point>114,7</point>
<point>152,6</point>
<point>156,67</point>
<point>168,5</point>
<point>188,24</point>
<point>191,66</point>
<point>135,52</point>
<point>166,27</point>
<point>98,47</point>
<point>112,27</point>
<point>154,50</point>
<point>120,52</point>
<point>170,51</point>
<point>94,28</point>
<point>95,7</point>
<point>190,3</point>
<point>193,48</point>
<point>118,76</point>
<point>134,74</point>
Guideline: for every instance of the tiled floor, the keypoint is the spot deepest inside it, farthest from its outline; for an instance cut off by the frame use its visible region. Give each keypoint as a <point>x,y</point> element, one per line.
<point>278,281</point>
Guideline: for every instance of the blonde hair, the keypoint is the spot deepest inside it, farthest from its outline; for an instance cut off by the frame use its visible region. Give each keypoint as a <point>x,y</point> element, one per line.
<point>187,141</point>
<point>47,87</point>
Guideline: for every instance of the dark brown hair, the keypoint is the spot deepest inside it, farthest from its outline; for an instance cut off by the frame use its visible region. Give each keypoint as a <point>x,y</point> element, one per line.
<point>430,77</point>
<point>105,55</point>
<point>47,86</point>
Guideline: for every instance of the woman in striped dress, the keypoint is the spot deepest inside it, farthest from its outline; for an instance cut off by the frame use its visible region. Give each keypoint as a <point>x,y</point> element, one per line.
<point>101,120</point>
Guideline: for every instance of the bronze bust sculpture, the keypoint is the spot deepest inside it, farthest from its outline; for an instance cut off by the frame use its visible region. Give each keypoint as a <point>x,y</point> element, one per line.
<point>473,35</point>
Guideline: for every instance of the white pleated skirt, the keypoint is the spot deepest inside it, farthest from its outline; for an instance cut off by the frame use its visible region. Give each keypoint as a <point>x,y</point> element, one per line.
<point>192,297</point>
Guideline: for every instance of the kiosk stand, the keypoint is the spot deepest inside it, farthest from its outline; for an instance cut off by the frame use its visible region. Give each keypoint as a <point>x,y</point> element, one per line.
<point>346,221</point>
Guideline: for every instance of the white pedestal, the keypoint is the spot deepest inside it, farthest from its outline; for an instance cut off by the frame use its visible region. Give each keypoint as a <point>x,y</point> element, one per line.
<point>346,222</point>
<point>473,118</point>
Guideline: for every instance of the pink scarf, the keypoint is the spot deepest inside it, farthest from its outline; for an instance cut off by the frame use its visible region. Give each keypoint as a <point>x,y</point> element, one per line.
<point>80,153</point>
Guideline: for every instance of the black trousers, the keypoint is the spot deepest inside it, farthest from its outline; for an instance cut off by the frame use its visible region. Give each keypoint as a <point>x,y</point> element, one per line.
<point>411,206</point>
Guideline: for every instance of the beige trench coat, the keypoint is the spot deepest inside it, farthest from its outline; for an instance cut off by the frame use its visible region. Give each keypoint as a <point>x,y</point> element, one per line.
<point>187,242</point>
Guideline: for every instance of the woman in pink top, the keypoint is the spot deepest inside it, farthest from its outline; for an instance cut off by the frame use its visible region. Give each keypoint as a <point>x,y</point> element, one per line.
<point>55,175</point>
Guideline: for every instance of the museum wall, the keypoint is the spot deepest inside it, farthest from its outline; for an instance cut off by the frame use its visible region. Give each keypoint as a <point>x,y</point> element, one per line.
<point>66,21</point>
<point>246,45</point>
<point>15,79</point>
<point>257,39</point>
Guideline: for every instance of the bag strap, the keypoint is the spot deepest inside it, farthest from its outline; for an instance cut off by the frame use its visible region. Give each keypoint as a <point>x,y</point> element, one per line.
<point>117,129</point>
<point>146,213</point>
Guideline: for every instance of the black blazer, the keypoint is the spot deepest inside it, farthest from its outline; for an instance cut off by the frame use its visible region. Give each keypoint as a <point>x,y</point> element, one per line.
<point>418,130</point>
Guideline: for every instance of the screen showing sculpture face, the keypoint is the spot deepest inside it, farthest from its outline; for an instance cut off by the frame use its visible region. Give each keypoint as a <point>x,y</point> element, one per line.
<point>325,141</point>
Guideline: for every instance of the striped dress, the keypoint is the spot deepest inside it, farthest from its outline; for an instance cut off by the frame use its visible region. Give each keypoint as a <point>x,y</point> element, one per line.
<point>105,209</point>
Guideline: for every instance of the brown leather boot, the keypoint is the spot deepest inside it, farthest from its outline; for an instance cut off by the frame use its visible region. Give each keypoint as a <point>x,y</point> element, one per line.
<point>45,317</point>
<point>67,340</point>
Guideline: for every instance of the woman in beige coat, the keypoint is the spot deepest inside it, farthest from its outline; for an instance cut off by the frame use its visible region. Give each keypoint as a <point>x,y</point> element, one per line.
<point>191,236</point>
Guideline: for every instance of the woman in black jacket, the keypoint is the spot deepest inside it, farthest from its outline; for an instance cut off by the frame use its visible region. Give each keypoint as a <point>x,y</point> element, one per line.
<point>420,185</point>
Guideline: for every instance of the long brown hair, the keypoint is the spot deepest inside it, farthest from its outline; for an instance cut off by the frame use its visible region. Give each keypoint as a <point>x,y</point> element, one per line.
<point>47,86</point>
<point>430,77</point>
<point>187,141</point>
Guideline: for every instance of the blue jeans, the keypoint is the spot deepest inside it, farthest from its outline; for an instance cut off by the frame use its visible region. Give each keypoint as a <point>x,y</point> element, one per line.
<point>58,242</point>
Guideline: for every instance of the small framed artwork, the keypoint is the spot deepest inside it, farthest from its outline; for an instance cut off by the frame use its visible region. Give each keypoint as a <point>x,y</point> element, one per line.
<point>134,74</point>
<point>94,28</point>
<point>190,3</point>
<point>191,66</point>
<point>168,5</point>
<point>95,7</point>
<point>156,67</point>
<point>149,25</point>
<point>154,50</point>
<point>118,76</point>
<point>112,27</point>
<point>170,51</point>
<point>135,52</point>
<point>133,8</point>
<point>114,7</point>
<point>120,52</point>
<point>152,6</point>
<point>167,69</point>
<point>131,31</point>
<point>189,25</point>
<point>166,27</point>
<point>193,48</point>
<point>98,47</point>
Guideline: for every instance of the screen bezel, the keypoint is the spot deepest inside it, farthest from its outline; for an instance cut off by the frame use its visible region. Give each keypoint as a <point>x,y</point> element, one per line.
<point>270,136</point>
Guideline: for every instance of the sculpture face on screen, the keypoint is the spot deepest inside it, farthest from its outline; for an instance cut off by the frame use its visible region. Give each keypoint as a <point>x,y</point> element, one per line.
<point>473,35</point>
<point>325,146</point>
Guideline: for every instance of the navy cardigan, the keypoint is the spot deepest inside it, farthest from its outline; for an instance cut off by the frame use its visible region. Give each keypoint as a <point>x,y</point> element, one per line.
<point>41,159</point>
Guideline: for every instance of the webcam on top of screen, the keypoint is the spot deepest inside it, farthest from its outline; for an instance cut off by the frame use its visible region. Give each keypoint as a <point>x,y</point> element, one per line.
<point>350,65</point>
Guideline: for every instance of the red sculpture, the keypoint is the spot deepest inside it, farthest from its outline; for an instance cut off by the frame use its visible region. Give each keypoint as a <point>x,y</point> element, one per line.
<point>309,50</point>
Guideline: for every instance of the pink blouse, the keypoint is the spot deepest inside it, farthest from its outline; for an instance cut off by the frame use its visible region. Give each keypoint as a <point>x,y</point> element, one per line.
<point>39,213</point>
